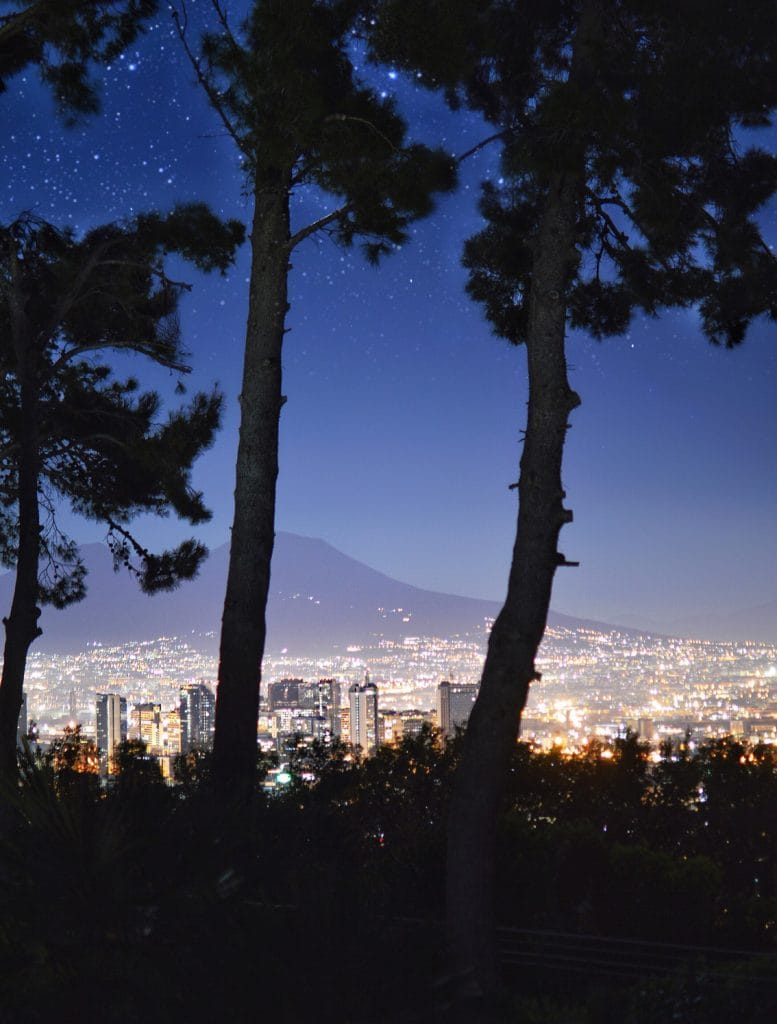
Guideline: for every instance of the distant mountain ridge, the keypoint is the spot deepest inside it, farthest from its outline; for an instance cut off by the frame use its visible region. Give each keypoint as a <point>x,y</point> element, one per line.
<point>320,600</point>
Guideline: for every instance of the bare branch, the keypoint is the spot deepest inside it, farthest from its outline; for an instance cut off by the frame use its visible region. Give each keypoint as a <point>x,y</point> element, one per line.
<point>362,120</point>
<point>118,346</point>
<point>599,202</point>
<point>184,285</point>
<point>562,562</point>
<point>482,145</point>
<point>106,438</point>
<point>208,87</point>
<point>221,14</point>
<point>317,225</point>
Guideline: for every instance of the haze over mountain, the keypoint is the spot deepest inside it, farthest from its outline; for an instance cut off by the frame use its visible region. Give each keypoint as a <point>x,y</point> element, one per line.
<point>758,623</point>
<point>320,599</point>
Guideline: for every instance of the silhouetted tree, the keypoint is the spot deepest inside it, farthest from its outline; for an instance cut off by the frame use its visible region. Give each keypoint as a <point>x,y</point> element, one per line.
<point>674,789</point>
<point>71,432</point>
<point>138,773</point>
<point>72,754</point>
<point>626,185</point>
<point>285,88</point>
<point>63,38</point>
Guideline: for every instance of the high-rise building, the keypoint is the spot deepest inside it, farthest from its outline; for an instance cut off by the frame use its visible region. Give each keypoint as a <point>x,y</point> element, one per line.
<point>309,710</point>
<point>454,704</point>
<point>160,731</point>
<point>284,693</point>
<point>326,725</point>
<point>198,716</point>
<point>413,722</point>
<point>364,715</point>
<point>345,724</point>
<point>172,731</point>
<point>149,728</point>
<point>111,728</point>
<point>646,729</point>
<point>444,709</point>
<point>329,704</point>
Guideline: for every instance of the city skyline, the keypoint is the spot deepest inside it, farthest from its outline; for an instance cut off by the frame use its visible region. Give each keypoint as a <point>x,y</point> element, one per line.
<point>401,434</point>
<point>595,685</point>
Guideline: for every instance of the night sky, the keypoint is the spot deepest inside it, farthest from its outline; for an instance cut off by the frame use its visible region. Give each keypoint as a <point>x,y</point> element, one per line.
<point>401,432</point>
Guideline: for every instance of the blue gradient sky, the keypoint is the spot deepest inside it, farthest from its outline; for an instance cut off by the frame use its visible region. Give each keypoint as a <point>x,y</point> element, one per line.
<point>401,432</point>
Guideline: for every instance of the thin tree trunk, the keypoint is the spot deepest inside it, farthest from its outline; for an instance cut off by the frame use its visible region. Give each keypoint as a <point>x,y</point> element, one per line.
<point>21,626</point>
<point>243,626</point>
<point>509,667</point>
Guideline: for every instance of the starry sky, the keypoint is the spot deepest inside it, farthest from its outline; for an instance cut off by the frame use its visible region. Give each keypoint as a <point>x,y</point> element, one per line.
<point>401,433</point>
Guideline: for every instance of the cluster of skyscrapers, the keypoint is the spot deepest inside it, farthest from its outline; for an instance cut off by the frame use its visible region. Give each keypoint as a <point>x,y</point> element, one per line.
<point>166,734</point>
<point>316,711</point>
<point>294,710</point>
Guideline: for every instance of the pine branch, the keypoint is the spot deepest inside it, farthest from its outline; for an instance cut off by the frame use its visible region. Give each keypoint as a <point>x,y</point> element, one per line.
<point>135,544</point>
<point>70,297</point>
<point>762,245</point>
<point>16,302</point>
<point>76,293</point>
<point>135,265</point>
<point>14,24</point>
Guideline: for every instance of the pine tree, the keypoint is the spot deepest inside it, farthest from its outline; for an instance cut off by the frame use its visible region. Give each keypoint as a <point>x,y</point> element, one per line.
<point>286,91</point>
<point>628,185</point>
<point>71,432</point>
<point>64,38</point>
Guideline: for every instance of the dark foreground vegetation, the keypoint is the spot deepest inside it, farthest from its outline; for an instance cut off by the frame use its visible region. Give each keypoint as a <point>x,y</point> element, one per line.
<point>628,890</point>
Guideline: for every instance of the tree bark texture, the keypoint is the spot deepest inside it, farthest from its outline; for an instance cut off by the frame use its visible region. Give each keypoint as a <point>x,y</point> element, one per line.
<point>243,627</point>
<point>21,625</point>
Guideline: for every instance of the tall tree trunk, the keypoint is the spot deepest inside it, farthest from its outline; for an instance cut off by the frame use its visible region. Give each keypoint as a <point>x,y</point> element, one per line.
<point>243,625</point>
<point>509,667</point>
<point>517,633</point>
<point>21,626</point>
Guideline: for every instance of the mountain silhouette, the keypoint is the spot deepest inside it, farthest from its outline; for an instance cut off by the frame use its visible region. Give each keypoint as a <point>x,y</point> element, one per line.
<point>320,600</point>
